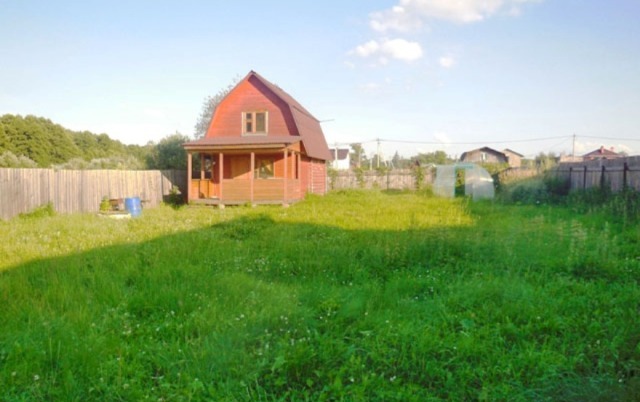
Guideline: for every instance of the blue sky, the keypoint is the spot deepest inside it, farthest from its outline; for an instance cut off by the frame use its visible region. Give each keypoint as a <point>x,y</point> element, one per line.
<point>421,75</point>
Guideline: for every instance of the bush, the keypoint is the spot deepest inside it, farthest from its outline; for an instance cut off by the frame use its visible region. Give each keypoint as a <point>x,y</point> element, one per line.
<point>557,186</point>
<point>40,212</point>
<point>175,198</point>
<point>9,160</point>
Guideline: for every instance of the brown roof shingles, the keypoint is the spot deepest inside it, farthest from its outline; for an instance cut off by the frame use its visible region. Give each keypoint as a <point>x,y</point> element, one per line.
<point>308,126</point>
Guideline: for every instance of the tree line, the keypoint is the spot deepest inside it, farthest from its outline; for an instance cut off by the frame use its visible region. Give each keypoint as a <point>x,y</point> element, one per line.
<point>37,142</point>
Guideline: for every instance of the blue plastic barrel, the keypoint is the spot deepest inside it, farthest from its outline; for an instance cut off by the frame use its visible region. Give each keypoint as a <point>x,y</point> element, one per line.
<point>133,206</point>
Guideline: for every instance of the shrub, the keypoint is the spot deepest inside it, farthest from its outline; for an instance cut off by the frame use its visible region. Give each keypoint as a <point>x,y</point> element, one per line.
<point>9,160</point>
<point>40,212</point>
<point>175,198</point>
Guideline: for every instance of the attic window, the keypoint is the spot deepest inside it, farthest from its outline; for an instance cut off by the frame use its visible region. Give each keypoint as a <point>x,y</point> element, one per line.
<point>254,122</point>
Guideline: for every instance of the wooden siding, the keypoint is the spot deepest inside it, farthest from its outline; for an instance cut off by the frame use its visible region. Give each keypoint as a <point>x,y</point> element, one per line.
<point>202,188</point>
<point>236,190</point>
<point>264,190</point>
<point>318,177</point>
<point>251,95</point>
<point>70,191</point>
<point>613,173</point>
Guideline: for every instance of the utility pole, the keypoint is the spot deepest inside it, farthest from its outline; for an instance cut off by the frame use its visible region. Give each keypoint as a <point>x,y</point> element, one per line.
<point>573,151</point>
<point>378,153</point>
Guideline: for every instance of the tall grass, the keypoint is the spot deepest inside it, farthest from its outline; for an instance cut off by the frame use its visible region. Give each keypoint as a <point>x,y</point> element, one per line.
<point>351,296</point>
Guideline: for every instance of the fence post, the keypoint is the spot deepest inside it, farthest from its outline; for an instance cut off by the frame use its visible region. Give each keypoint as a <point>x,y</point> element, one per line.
<point>570,177</point>
<point>625,169</point>
<point>388,173</point>
<point>602,178</point>
<point>584,178</point>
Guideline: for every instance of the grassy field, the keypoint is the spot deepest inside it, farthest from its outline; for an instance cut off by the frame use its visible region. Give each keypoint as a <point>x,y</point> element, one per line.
<point>351,296</point>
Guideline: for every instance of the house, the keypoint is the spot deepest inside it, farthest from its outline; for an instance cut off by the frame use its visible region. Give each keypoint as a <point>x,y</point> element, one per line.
<point>490,155</point>
<point>261,146</point>
<point>601,153</point>
<point>513,158</point>
<point>483,155</point>
<point>340,158</point>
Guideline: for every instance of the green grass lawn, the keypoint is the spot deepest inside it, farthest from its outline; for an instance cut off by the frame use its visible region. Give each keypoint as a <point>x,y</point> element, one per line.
<point>351,296</point>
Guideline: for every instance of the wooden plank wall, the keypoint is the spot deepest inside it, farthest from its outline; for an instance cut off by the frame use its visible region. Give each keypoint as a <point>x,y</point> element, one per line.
<point>615,173</point>
<point>70,191</point>
<point>392,180</point>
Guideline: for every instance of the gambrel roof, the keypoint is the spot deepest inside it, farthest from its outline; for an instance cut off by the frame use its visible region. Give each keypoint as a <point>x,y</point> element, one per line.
<point>307,127</point>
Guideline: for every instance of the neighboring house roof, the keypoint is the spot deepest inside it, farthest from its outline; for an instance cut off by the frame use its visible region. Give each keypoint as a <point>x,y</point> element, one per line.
<point>483,149</point>
<point>600,153</point>
<point>308,127</point>
<point>507,150</point>
<point>342,154</point>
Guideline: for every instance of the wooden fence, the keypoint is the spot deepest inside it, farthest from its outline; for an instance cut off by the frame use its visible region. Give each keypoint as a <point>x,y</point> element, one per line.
<point>404,179</point>
<point>22,190</point>
<point>616,174</point>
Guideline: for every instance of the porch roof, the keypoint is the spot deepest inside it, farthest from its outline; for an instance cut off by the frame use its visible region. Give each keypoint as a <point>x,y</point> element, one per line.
<point>245,142</point>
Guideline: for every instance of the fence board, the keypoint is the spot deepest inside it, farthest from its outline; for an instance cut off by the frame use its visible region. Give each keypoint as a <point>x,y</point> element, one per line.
<point>70,191</point>
<point>613,173</point>
<point>392,180</point>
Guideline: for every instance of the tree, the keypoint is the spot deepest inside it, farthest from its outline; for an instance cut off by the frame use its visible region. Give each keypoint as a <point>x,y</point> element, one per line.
<point>357,155</point>
<point>546,161</point>
<point>169,153</point>
<point>47,143</point>
<point>9,160</point>
<point>209,106</point>
<point>435,158</point>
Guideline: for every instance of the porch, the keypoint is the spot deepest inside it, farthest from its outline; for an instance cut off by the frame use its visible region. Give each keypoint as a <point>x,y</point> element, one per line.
<point>231,177</point>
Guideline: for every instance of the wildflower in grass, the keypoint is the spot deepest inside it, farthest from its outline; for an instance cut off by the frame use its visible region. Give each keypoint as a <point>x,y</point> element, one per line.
<point>36,377</point>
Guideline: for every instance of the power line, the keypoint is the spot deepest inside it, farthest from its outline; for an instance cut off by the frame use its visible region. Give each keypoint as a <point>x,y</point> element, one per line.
<point>476,142</point>
<point>378,140</point>
<point>609,138</point>
<point>563,138</point>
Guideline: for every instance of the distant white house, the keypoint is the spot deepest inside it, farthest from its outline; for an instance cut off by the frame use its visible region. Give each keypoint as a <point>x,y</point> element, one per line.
<point>340,159</point>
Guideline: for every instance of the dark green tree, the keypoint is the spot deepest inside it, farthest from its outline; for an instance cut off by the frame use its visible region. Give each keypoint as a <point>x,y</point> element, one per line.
<point>169,153</point>
<point>47,143</point>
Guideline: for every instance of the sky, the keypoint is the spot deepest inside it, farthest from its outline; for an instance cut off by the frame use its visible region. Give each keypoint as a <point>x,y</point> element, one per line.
<point>404,76</point>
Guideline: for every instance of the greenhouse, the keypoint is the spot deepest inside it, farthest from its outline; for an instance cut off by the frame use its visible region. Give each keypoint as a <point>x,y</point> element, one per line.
<point>463,179</point>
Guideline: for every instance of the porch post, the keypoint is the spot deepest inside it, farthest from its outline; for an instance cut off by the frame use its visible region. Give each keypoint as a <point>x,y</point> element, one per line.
<point>213,166</point>
<point>286,176</point>
<point>201,165</point>
<point>251,174</point>
<point>189,163</point>
<point>221,175</point>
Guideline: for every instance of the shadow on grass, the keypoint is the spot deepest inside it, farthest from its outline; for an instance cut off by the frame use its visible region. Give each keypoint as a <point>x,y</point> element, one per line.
<point>254,309</point>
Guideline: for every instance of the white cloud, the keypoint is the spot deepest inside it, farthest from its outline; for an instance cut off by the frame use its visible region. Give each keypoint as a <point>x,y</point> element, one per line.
<point>402,49</point>
<point>446,61</point>
<point>385,49</point>
<point>367,49</point>
<point>410,14</point>
<point>396,19</point>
